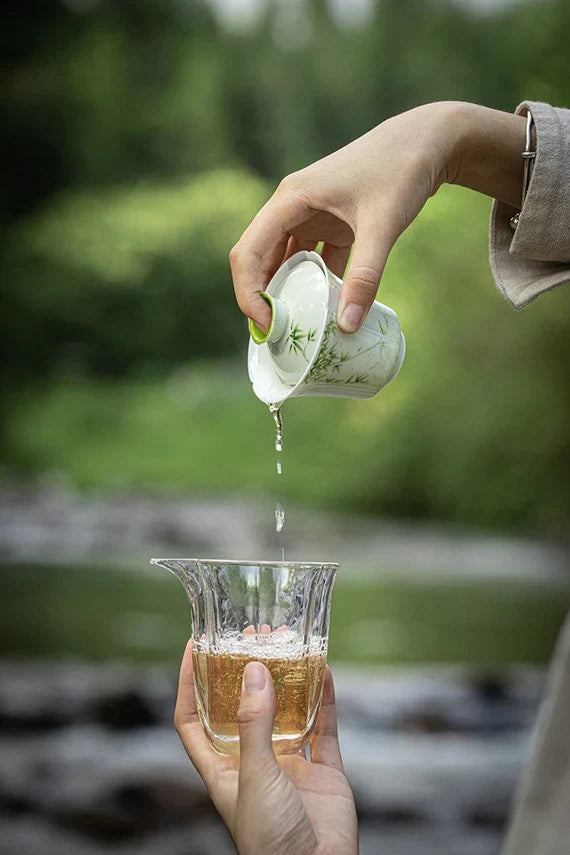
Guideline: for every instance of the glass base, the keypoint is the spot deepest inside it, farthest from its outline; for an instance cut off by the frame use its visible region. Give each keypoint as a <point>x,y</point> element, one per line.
<point>229,745</point>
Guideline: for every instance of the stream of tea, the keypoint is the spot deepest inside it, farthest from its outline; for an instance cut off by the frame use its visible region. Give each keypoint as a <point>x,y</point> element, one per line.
<point>275,411</point>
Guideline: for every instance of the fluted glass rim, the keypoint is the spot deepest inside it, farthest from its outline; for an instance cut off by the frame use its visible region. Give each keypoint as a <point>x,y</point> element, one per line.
<point>299,565</point>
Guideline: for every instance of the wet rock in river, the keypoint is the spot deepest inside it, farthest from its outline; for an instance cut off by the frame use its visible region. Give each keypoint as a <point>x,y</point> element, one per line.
<point>489,813</point>
<point>125,710</point>
<point>45,696</point>
<point>131,807</point>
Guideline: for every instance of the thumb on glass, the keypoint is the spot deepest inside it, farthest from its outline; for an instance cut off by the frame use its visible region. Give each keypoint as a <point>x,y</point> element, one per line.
<point>255,721</point>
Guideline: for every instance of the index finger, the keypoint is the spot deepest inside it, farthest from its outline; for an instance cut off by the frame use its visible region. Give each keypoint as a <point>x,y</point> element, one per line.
<point>324,740</point>
<point>260,250</point>
<point>188,724</point>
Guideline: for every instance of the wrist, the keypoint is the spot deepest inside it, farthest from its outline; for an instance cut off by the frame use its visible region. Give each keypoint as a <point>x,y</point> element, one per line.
<point>486,148</point>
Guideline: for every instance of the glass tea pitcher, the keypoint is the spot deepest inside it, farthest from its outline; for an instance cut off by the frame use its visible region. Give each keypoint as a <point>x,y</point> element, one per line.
<point>274,612</point>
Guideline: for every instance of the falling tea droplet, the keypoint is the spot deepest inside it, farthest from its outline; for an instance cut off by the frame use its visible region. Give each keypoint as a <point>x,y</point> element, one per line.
<point>279,509</point>
<point>279,517</point>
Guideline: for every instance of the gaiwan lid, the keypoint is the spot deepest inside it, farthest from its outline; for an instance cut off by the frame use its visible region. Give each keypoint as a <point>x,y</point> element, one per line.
<point>280,359</point>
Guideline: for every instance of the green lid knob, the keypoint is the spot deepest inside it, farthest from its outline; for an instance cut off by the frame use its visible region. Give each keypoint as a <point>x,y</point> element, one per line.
<point>277,324</point>
<point>258,335</point>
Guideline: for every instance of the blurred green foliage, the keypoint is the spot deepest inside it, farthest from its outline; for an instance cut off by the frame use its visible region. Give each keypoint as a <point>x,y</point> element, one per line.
<point>140,140</point>
<point>122,279</point>
<point>96,92</point>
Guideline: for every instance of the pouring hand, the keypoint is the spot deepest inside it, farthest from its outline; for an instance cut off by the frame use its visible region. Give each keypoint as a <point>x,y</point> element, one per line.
<point>275,806</point>
<point>368,193</point>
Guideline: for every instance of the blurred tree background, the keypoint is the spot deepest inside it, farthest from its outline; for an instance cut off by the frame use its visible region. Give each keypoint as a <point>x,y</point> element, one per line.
<point>139,139</point>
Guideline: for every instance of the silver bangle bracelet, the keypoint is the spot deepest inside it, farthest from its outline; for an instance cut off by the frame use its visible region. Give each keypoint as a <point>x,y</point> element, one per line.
<point>528,155</point>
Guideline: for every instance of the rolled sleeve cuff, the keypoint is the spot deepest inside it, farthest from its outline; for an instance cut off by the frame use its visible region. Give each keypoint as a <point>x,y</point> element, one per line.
<point>536,257</point>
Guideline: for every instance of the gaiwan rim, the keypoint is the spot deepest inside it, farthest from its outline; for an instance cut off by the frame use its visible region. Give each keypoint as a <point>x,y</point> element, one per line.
<point>283,390</point>
<point>248,563</point>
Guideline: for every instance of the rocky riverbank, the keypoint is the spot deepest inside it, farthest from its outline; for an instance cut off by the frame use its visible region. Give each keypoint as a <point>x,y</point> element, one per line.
<point>90,763</point>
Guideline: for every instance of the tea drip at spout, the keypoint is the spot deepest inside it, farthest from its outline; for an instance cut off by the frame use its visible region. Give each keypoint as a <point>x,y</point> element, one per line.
<point>275,411</point>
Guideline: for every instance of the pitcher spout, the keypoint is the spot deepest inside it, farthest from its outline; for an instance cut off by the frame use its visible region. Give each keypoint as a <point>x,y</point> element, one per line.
<point>185,569</point>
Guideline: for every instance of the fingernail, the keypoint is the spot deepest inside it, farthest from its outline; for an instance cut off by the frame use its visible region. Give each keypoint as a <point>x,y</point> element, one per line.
<point>254,677</point>
<point>351,317</point>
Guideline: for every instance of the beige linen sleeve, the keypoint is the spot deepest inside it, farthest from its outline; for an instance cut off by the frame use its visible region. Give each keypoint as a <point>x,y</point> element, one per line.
<point>536,257</point>
<point>541,821</point>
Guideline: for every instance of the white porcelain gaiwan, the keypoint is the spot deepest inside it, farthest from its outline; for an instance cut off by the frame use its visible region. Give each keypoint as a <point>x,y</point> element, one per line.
<point>304,353</point>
